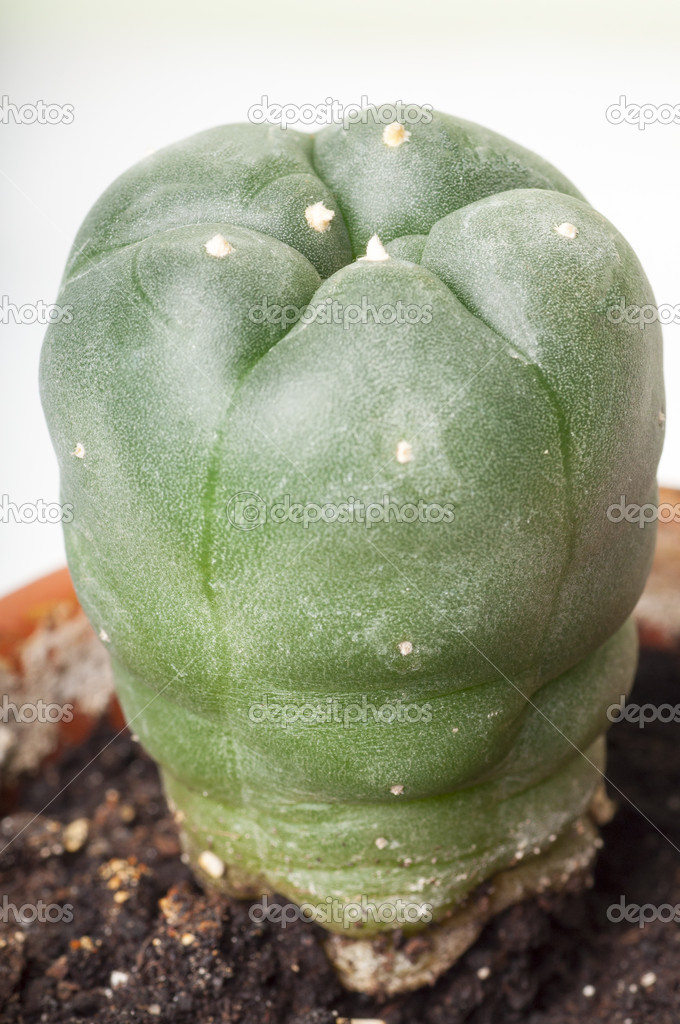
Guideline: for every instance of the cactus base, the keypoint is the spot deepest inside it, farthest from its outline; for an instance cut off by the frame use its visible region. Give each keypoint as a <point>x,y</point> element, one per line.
<point>385,965</point>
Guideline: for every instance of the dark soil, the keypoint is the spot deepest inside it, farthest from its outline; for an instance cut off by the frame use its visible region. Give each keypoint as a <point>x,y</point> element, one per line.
<point>184,956</point>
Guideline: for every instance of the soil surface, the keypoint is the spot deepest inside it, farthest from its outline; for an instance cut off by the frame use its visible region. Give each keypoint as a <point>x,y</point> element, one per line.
<point>136,939</point>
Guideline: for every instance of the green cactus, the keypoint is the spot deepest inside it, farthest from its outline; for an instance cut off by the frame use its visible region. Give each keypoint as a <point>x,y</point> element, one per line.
<point>441,685</point>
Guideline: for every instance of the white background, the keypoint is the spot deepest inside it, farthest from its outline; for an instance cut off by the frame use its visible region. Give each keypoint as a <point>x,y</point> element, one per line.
<point>140,76</point>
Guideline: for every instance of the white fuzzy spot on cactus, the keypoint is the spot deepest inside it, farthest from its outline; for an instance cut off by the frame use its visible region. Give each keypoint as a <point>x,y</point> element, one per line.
<point>218,247</point>
<point>662,417</point>
<point>104,636</point>
<point>381,842</point>
<point>79,451</point>
<point>454,730</point>
<point>396,790</point>
<point>405,647</point>
<point>404,452</point>
<point>566,230</point>
<point>375,251</point>
<point>211,864</point>
<point>395,135</point>
<point>319,217</point>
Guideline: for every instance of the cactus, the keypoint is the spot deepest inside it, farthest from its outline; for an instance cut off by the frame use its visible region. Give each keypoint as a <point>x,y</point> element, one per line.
<point>387,710</point>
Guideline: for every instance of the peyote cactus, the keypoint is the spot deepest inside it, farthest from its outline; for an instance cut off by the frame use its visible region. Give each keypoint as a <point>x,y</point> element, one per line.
<point>389,710</point>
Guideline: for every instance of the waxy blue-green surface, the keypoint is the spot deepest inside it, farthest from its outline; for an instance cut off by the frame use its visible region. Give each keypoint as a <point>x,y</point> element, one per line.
<point>522,404</point>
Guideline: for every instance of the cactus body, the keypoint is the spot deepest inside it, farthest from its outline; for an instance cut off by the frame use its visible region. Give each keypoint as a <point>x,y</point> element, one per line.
<point>490,644</point>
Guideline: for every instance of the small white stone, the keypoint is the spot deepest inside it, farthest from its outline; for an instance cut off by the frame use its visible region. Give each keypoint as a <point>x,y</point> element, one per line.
<point>405,647</point>
<point>75,834</point>
<point>566,230</point>
<point>395,134</point>
<point>218,246</point>
<point>381,842</point>
<point>79,451</point>
<point>588,991</point>
<point>648,979</point>
<point>397,790</point>
<point>118,978</point>
<point>404,452</point>
<point>375,251</point>
<point>319,217</point>
<point>483,973</point>
<point>358,1020</point>
<point>211,864</point>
